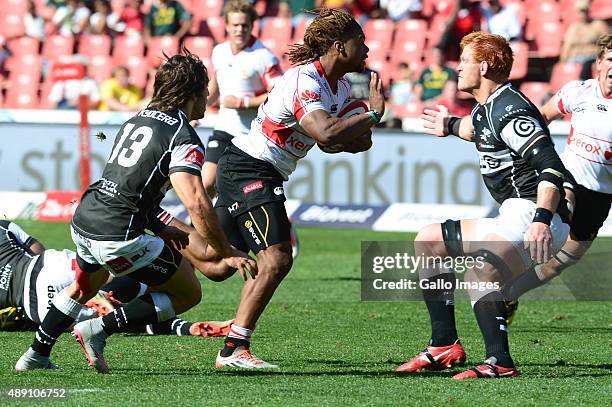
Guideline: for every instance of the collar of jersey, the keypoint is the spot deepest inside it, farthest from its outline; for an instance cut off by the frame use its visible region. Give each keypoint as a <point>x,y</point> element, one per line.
<point>497,92</point>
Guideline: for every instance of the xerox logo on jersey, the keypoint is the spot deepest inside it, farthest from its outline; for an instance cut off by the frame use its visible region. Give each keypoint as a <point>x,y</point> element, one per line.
<point>119,265</point>
<point>252,187</point>
<point>587,145</point>
<point>309,96</point>
<point>195,156</point>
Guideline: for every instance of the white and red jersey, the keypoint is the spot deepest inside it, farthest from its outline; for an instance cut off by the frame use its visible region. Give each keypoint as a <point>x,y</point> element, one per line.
<point>250,72</point>
<point>588,154</point>
<point>276,135</point>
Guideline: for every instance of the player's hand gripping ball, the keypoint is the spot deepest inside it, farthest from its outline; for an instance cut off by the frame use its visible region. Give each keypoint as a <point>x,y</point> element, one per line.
<point>350,108</point>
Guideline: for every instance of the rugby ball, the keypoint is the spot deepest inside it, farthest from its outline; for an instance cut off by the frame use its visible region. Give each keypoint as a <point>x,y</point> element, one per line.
<point>350,108</point>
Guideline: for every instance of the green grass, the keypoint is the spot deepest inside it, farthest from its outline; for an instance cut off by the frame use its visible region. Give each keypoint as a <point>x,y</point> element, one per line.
<point>333,348</point>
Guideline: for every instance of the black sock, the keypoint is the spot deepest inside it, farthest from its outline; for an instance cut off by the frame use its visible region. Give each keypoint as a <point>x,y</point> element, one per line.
<point>173,326</point>
<point>50,329</point>
<point>124,289</point>
<point>233,343</point>
<point>491,316</point>
<point>523,283</point>
<point>441,310</point>
<point>138,312</point>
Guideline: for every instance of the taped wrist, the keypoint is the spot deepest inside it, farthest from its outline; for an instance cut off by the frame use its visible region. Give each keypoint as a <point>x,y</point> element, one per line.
<point>543,215</point>
<point>453,124</point>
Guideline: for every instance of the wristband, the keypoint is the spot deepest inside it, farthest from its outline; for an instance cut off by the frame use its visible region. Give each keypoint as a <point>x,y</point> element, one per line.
<point>247,102</point>
<point>453,124</point>
<point>543,215</point>
<point>374,115</point>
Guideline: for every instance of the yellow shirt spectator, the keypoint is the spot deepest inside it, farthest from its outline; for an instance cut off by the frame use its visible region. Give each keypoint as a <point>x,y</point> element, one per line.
<point>118,94</point>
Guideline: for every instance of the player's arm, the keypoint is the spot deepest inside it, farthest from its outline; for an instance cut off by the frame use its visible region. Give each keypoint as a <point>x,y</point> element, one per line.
<point>550,110</point>
<point>33,245</point>
<point>441,124</point>
<point>328,131</point>
<point>213,91</point>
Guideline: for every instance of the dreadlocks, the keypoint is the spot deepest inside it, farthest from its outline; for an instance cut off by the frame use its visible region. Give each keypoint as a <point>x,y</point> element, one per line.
<point>329,25</point>
<point>179,77</point>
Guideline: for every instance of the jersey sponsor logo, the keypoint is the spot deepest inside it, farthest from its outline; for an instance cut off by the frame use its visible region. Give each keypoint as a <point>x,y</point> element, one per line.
<point>486,133</point>
<point>252,187</point>
<point>108,187</point>
<point>279,191</point>
<point>249,226</point>
<point>478,117</point>
<point>233,208</point>
<point>119,265</point>
<point>602,108</point>
<point>5,277</point>
<point>50,295</point>
<point>524,127</point>
<point>298,144</point>
<point>158,268</point>
<point>58,206</point>
<point>334,108</point>
<point>310,96</point>
<point>489,162</point>
<point>194,156</point>
<point>584,145</point>
<point>509,107</point>
<point>608,153</point>
<point>139,255</point>
<point>213,144</point>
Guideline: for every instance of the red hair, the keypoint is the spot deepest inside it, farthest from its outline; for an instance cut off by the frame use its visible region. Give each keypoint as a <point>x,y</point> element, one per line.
<point>493,49</point>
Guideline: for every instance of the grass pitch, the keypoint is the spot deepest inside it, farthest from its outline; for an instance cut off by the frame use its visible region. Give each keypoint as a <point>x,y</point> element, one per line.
<point>333,349</point>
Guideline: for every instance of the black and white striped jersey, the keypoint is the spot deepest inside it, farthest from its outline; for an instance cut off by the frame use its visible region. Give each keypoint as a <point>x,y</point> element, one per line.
<point>16,263</point>
<point>147,149</point>
<point>505,128</point>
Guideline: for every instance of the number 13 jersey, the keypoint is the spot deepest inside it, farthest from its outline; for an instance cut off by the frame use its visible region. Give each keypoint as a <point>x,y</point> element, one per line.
<point>147,149</point>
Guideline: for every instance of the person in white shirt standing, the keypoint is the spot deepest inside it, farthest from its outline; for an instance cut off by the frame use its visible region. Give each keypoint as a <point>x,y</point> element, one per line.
<point>298,113</point>
<point>588,157</point>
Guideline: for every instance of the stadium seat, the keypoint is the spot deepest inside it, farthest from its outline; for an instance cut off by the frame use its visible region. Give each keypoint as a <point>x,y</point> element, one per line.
<point>601,9</point>
<point>543,10</point>
<point>23,91</point>
<point>277,28</point>
<point>379,29</point>
<point>537,92</point>
<point>127,46</point>
<point>563,73</point>
<point>94,45</point>
<point>11,24</point>
<point>201,46</point>
<point>436,29</point>
<point>158,46</point>
<point>57,46</point>
<point>24,46</point>
<point>214,27</point>
<point>413,109</point>
<point>521,59</point>
<point>548,38</point>
<point>100,68</point>
<point>45,90</point>
<point>378,49</point>
<point>138,68</point>
<point>15,6</point>
<point>256,28</point>
<point>275,45</point>
<point>409,41</point>
<point>29,64</point>
<point>207,8</point>
<point>300,29</point>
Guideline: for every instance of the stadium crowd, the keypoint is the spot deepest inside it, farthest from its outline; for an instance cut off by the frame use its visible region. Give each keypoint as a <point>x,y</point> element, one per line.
<point>413,44</point>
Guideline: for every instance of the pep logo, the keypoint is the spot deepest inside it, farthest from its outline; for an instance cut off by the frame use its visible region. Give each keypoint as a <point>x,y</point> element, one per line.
<point>194,156</point>
<point>309,96</point>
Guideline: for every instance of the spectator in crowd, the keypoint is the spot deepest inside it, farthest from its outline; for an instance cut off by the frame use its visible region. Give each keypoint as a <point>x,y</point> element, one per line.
<point>118,94</point>
<point>72,18</point>
<point>360,83</point>
<point>65,93</point>
<point>57,3</point>
<point>501,20</point>
<point>5,53</point>
<point>452,100</point>
<point>435,77</point>
<point>294,9</point>
<point>131,18</point>
<point>167,17</point>
<point>465,18</point>
<point>103,20</point>
<point>402,91</point>
<point>34,23</point>
<point>580,41</point>
<point>400,9</point>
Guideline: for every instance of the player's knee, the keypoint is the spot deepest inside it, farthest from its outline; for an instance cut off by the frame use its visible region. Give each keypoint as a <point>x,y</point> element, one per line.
<point>429,241</point>
<point>279,263</point>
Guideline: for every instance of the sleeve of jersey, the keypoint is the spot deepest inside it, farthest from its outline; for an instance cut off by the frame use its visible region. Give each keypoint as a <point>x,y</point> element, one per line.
<point>306,98</point>
<point>272,71</point>
<point>563,98</point>
<point>159,220</point>
<point>187,158</point>
<point>20,234</point>
<point>521,132</point>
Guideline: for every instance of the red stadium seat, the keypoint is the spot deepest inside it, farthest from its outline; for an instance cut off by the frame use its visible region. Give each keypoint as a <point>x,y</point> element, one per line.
<point>563,73</point>
<point>403,111</point>
<point>24,81</point>
<point>138,68</point>
<point>537,92</point>
<point>29,64</point>
<point>521,58</point>
<point>23,91</point>
<point>436,29</point>
<point>300,29</point>
<point>548,38</point>
<point>278,28</point>
<point>24,46</point>
<point>275,45</point>
<point>543,10</point>
<point>214,27</point>
<point>158,46</point>
<point>100,68</point>
<point>11,24</point>
<point>601,9</point>
<point>94,45</point>
<point>409,41</point>
<point>16,6</point>
<point>378,49</point>
<point>256,28</point>
<point>56,46</point>
<point>379,29</point>
<point>207,8</point>
<point>127,46</point>
<point>201,46</point>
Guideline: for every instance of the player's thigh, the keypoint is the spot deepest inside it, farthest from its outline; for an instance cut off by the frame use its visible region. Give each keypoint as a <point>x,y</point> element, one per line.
<point>264,226</point>
<point>591,211</point>
<point>216,145</point>
<point>183,287</point>
<point>209,171</point>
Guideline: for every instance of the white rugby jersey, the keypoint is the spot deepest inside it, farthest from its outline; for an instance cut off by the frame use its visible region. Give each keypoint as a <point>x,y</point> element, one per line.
<point>276,135</point>
<point>250,72</point>
<point>588,153</point>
